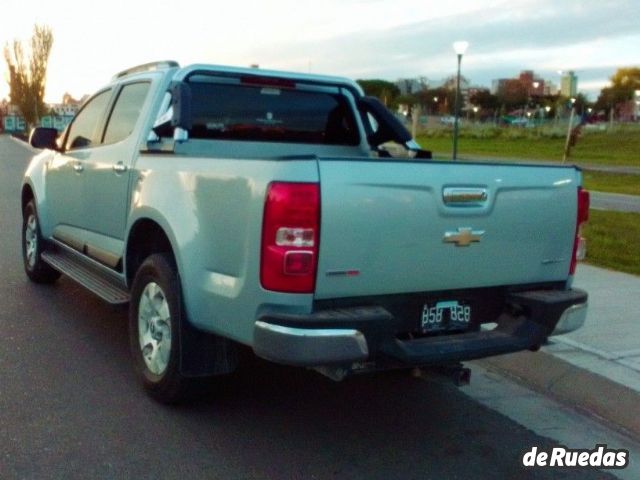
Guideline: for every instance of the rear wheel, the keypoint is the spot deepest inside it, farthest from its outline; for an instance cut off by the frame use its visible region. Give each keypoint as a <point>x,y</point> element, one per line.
<point>32,246</point>
<point>155,315</point>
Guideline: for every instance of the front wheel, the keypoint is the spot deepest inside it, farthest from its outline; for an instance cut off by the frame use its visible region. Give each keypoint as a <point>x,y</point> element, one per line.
<point>32,246</point>
<point>155,314</point>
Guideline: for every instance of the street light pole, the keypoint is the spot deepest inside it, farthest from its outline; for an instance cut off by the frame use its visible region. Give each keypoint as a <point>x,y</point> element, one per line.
<point>567,143</point>
<point>459,48</point>
<point>535,86</point>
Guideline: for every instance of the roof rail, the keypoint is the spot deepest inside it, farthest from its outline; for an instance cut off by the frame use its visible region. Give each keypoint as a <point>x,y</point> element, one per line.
<point>146,67</point>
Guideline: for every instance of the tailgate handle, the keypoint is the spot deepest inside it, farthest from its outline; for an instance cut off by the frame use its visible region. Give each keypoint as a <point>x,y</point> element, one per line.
<point>464,196</point>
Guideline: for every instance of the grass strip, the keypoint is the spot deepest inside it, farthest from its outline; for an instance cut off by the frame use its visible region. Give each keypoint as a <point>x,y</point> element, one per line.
<point>612,182</point>
<point>605,148</point>
<point>613,240</point>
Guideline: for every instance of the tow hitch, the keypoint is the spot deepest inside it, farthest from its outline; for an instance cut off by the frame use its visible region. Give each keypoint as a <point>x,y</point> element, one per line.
<point>458,373</point>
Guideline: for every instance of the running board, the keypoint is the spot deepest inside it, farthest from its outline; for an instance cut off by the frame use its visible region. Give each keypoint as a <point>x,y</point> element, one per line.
<point>91,275</point>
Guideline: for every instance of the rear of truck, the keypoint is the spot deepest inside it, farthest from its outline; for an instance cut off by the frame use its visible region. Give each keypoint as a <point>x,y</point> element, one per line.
<point>422,263</point>
<point>389,262</point>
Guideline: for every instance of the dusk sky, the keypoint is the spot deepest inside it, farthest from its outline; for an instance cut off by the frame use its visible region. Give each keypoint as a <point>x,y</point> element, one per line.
<point>355,38</point>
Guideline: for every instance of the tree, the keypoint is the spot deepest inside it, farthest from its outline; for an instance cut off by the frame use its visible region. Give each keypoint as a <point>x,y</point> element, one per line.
<point>487,101</point>
<point>28,73</point>
<point>67,99</point>
<point>513,94</point>
<point>409,100</point>
<point>451,82</point>
<point>581,103</point>
<point>624,83</point>
<point>386,91</point>
<point>438,101</point>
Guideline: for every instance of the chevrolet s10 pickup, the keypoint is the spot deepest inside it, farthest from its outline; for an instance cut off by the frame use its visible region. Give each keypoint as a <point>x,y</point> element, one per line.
<point>232,206</point>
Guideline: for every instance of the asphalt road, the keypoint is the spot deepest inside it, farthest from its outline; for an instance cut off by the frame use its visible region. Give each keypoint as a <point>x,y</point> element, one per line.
<point>70,406</point>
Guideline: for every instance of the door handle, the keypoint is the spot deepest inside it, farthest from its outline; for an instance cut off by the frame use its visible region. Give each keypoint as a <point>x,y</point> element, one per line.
<point>464,196</point>
<point>78,167</point>
<point>119,167</point>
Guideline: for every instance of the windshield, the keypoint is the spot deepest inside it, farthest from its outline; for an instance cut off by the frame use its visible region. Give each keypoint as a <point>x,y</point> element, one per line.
<point>270,113</point>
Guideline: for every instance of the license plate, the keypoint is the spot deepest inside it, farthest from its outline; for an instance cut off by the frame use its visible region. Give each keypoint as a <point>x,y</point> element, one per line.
<point>450,315</point>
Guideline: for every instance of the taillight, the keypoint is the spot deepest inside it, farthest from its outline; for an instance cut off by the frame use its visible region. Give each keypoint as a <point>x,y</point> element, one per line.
<point>290,237</point>
<point>579,243</point>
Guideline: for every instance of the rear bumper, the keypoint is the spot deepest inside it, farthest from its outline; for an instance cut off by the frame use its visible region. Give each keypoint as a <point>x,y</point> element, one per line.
<point>345,336</point>
<point>309,346</point>
<point>572,319</point>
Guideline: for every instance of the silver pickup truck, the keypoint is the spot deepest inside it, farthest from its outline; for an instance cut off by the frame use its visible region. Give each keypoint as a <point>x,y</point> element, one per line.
<point>234,206</point>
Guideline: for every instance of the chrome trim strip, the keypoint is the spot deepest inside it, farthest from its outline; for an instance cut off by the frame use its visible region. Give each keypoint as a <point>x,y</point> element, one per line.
<point>90,261</point>
<point>101,255</point>
<point>67,239</point>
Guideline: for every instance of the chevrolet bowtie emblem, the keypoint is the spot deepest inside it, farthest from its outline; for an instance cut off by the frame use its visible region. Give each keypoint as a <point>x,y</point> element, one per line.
<point>463,237</point>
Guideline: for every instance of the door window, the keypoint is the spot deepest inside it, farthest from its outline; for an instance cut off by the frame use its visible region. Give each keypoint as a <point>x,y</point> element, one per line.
<point>85,131</point>
<point>126,111</point>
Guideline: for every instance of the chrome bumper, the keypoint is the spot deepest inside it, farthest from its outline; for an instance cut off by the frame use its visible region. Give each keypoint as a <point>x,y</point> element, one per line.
<point>308,347</point>
<point>572,319</point>
<point>346,336</point>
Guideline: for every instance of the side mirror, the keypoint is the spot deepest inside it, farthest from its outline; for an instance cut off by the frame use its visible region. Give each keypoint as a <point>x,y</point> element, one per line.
<point>42,137</point>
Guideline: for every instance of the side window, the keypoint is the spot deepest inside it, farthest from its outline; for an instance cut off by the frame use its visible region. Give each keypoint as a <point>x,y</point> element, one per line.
<point>84,131</point>
<point>126,112</point>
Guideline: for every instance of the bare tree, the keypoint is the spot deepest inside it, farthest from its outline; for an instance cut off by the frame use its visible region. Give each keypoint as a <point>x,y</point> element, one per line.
<point>28,73</point>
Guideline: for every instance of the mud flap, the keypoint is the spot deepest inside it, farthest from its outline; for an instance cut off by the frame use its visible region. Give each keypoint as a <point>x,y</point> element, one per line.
<point>204,354</point>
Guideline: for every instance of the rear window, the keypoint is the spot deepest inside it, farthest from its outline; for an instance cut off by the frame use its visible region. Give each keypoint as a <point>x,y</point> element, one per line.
<point>271,114</point>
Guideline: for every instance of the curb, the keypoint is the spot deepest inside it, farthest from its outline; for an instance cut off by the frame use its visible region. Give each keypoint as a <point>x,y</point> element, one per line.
<point>617,404</point>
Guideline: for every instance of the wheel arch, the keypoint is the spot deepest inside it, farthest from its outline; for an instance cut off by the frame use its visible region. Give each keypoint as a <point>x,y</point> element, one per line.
<point>201,353</point>
<point>27,195</point>
<point>146,237</point>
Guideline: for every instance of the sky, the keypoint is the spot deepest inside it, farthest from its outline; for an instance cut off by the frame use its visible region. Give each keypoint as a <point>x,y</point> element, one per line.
<point>387,39</point>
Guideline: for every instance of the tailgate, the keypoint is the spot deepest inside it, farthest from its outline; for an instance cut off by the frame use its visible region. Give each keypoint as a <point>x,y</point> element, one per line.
<point>398,227</point>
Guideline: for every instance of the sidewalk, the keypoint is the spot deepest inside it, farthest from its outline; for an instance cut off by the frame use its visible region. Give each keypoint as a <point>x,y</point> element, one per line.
<point>610,337</point>
<point>595,368</point>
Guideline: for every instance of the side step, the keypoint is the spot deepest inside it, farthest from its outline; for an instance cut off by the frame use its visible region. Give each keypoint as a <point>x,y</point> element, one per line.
<point>91,275</point>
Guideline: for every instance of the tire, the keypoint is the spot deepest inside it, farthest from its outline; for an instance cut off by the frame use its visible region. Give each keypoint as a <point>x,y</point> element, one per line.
<point>155,316</point>
<point>32,247</point>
